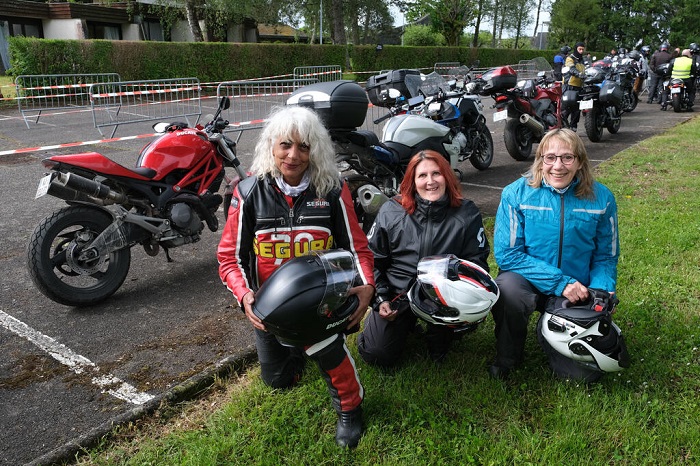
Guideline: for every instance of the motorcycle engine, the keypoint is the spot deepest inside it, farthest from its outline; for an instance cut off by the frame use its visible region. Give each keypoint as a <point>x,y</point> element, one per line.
<point>184,219</point>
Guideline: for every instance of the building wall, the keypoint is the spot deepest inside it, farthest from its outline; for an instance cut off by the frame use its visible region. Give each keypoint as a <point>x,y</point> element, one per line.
<point>64,29</point>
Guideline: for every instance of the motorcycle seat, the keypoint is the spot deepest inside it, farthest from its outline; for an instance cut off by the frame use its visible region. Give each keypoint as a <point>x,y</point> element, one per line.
<point>96,162</point>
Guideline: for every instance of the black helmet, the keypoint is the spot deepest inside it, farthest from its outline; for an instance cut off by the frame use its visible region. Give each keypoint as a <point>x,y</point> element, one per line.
<point>306,300</point>
<point>665,46</point>
<point>645,50</point>
<point>694,48</point>
<point>565,50</point>
<point>581,340</point>
<point>621,51</point>
<point>634,55</point>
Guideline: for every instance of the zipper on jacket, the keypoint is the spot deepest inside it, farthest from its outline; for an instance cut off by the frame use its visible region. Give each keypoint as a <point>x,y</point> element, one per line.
<point>561,231</point>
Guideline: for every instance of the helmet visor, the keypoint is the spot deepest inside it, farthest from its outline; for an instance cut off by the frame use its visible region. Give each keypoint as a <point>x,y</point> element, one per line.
<point>340,269</point>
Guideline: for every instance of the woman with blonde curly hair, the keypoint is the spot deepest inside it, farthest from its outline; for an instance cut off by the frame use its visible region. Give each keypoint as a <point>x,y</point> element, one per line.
<point>293,204</point>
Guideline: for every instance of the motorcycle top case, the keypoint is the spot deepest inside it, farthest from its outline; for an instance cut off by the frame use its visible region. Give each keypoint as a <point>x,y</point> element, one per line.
<point>499,79</point>
<point>611,94</point>
<point>340,104</point>
<point>392,79</point>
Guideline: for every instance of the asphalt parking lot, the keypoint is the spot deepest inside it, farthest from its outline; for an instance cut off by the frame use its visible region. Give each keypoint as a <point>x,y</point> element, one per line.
<point>170,322</point>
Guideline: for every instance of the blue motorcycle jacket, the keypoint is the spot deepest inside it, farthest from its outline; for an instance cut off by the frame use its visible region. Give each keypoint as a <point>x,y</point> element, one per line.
<point>553,239</point>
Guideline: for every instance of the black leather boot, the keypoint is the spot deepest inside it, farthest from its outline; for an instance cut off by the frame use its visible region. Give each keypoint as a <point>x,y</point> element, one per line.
<point>349,428</point>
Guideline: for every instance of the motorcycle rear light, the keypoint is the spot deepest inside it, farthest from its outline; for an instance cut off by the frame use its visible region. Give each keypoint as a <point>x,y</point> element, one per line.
<point>501,98</point>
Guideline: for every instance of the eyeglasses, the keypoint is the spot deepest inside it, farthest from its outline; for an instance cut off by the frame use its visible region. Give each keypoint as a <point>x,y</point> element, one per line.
<point>551,159</point>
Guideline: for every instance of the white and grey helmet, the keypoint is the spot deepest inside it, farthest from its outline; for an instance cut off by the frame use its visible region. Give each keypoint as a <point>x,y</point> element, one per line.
<point>452,291</point>
<point>581,340</point>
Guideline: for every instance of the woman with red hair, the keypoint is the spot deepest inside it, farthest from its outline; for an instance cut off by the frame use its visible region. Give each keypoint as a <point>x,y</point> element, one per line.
<point>428,217</point>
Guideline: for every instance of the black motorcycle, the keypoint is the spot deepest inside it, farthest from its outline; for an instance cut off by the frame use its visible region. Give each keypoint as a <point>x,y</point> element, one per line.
<point>600,101</point>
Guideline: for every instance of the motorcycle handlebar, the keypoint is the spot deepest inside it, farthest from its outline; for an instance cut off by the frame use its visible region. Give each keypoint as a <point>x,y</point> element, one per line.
<point>382,118</point>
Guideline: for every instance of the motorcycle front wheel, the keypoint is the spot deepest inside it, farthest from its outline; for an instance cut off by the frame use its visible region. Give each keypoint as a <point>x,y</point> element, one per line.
<point>55,263</point>
<point>631,102</point>
<point>482,156</point>
<point>518,139</point>
<point>594,122</point>
<point>615,120</point>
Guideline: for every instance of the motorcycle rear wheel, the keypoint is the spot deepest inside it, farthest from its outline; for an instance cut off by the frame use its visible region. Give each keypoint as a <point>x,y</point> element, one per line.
<point>54,264</point>
<point>594,123</point>
<point>518,140</point>
<point>482,157</point>
<point>676,103</point>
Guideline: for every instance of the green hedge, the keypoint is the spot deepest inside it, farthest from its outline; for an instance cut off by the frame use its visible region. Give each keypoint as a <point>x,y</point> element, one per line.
<point>216,62</point>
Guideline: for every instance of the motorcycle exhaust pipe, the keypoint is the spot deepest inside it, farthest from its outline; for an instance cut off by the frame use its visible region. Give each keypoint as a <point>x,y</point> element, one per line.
<point>534,125</point>
<point>371,198</point>
<point>64,181</point>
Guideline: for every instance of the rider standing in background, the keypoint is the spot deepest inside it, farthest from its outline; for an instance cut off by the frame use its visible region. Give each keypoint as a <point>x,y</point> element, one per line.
<point>659,58</point>
<point>573,81</point>
<point>559,60</point>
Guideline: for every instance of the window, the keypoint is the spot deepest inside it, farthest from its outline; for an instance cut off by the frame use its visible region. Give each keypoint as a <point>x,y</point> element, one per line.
<point>104,31</point>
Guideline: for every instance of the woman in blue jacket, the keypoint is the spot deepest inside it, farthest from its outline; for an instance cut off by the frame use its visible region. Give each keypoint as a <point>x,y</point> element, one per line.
<point>556,235</point>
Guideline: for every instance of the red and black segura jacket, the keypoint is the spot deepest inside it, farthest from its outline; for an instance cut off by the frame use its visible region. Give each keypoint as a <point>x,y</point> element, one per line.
<point>265,228</point>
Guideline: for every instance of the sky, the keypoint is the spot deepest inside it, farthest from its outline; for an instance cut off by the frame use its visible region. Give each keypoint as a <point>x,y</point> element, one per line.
<point>399,20</point>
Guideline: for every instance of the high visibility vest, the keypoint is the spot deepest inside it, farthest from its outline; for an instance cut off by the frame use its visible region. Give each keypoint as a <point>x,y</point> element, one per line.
<point>681,67</point>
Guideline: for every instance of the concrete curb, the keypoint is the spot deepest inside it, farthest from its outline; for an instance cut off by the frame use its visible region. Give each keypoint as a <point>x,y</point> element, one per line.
<point>187,390</point>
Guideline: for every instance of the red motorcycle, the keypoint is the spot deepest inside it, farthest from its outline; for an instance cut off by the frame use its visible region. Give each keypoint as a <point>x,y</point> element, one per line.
<point>531,107</point>
<point>80,254</point>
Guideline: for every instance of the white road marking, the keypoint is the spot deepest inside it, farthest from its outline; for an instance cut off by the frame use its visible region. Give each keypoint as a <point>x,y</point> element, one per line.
<point>108,383</point>
<point>499,188</point>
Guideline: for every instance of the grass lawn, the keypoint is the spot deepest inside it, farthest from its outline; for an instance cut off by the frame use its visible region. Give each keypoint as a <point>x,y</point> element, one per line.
<point>454,414</point>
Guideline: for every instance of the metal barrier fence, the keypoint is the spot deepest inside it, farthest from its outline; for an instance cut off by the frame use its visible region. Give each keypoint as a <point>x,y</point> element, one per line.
<point>252,101</point>
<point>124,102</point>
<point>37,93</point>
<point>320,73</point>
<point>528,69</point>
<point>443,68</point>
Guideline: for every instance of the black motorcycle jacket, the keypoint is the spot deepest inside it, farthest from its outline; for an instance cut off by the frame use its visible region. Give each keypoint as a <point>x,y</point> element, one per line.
<point>265,228</point>
<point>399,240</point>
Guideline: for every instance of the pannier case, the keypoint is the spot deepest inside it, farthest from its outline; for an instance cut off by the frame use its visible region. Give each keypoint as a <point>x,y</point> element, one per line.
<point>390,79</point>
<point>499,79</point>
<point>342,105</point>
<point>610,94</point>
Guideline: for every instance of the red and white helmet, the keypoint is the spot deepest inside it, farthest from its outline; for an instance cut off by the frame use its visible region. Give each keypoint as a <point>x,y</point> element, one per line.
<point>452,291</point>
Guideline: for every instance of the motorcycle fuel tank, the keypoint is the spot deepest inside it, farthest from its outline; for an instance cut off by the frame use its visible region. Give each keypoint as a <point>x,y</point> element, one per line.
<point>177,150</point>
<point>410,130</point>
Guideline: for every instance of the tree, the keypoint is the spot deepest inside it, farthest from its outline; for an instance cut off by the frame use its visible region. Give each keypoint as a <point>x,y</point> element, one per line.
<point>422,36</point>
<point>576,20</point>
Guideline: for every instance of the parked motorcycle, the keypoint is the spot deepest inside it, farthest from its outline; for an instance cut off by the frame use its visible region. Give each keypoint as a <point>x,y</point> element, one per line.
<point>374,168</point>
<point>625,74</point>
<point>600,101</point>
<point>531,107</point>
<point>80,254</point>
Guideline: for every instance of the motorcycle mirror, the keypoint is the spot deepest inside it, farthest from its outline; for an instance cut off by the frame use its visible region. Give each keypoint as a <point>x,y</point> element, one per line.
<point>160,127</point>
<point>225,103</point>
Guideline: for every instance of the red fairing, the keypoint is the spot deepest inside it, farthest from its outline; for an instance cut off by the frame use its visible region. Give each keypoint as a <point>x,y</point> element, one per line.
<point>179,150</point>
<point>96,162</point>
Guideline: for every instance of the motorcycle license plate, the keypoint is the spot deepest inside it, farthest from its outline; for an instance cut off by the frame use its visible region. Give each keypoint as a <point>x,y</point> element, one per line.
<point>43,188</point>
<point>675,90</point>
<point>502,115</point>
<point>585,104</point>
